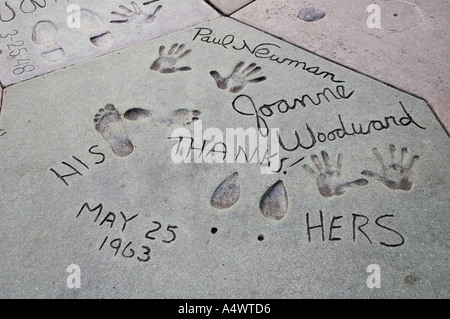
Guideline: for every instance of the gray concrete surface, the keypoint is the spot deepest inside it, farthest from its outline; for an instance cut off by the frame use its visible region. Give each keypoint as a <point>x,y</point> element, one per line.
<point>100,185</point>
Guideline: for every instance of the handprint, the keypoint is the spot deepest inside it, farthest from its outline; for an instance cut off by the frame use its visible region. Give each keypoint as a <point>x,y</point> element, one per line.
<point>237,80</point>
<point>136,18</point>
<point>396,175</point>
<point>328,180</point>
<point>166,62</point>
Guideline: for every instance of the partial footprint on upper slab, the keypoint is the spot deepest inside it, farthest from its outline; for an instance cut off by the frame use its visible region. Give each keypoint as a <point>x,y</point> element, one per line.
<point>274,203</point>
<point>227,194</point>
<point>109,125</point>
<point>94,26</point>
<point>180,117</point>
<point>44,38</point>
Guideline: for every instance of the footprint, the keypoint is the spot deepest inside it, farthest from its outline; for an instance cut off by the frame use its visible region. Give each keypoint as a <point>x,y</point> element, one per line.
<point>180,117</point>
<point>94,26</point>
<point>109,125</point>
<point>44,38</point>
<point>136,114</point>
<point>227,194</point>
<point>274,203</point>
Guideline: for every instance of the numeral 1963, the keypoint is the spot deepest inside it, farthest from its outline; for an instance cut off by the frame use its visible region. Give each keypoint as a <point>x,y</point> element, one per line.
<point>142,254</point>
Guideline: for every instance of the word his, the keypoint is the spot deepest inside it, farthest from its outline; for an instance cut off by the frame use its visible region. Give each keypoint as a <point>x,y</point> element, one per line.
<point>75,171</point>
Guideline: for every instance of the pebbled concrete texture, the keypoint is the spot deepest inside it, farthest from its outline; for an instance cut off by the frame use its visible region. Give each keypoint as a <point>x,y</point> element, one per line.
<point>409,51</point>
<point>92,180</point>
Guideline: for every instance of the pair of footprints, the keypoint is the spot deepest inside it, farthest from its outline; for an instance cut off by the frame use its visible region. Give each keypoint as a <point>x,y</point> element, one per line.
<point>45,32</point>
<point>274,203</point>
<point>108,122</point>
<point>235,82</point>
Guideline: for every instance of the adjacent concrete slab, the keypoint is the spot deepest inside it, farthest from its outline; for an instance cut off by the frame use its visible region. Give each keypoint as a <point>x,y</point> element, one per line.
<point>229,6</point>
<point>96,194</point>
<point>41,36</point>
<point>408,50</point>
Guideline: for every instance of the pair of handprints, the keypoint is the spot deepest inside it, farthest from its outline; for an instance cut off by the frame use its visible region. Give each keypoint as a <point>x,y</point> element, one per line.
<point>235,82</point>
<point>167,62</point>
<point>397,175</point>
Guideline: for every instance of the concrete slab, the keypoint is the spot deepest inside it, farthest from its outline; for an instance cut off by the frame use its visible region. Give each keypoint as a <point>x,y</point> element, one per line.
<point>227,7</point>
<point>404,43</point>
<point>100,196</point>
<point>38,37</point>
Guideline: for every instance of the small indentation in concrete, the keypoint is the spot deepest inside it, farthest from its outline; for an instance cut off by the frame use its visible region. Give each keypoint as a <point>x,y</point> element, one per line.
<point>311,14</point>
<point>227,194</point>
<point>411,279</point>
<point>274,204</point>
